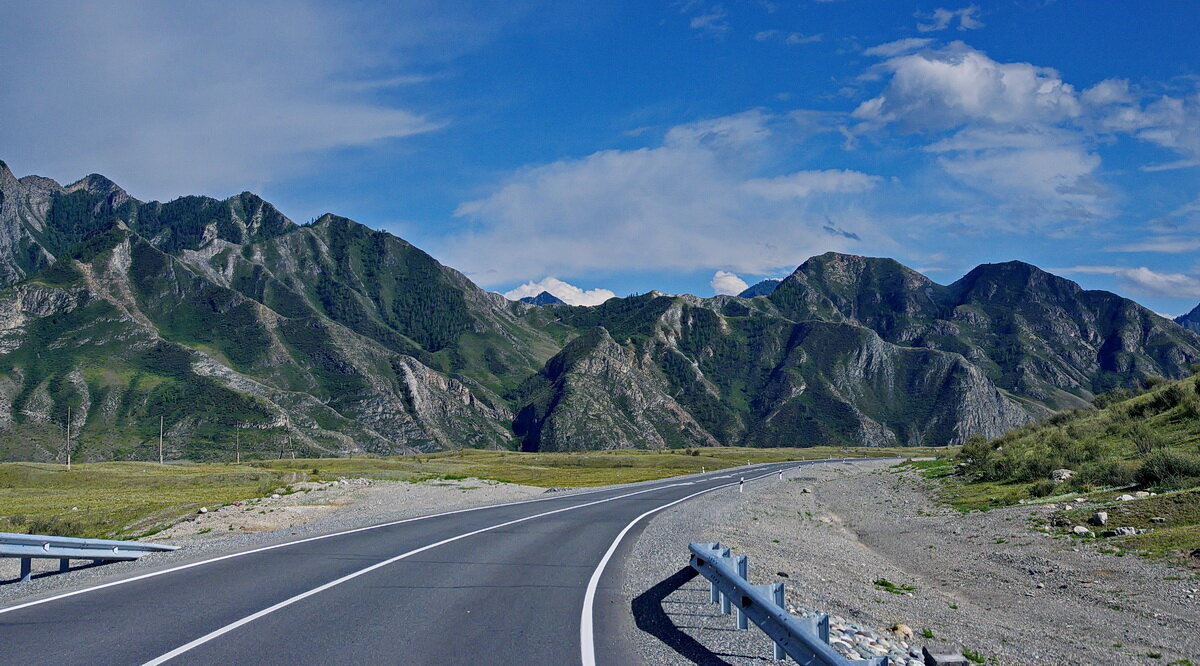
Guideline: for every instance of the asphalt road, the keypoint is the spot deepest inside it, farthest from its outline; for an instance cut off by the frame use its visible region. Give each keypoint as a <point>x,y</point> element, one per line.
<point>507,584</point>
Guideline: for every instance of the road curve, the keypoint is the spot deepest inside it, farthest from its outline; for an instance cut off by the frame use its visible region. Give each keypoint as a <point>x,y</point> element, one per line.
<point>516,583</point>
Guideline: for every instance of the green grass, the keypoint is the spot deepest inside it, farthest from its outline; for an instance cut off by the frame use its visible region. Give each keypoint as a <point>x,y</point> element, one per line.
<point>119,499</point>
<point>1148,440</point>
<point>127,499</point>
<point>889,586</point>
<point>574,469</point>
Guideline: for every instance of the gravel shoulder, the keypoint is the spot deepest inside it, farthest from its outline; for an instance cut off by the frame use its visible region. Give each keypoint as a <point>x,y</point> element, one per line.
<point>984,581</point>
<point>313,509</point>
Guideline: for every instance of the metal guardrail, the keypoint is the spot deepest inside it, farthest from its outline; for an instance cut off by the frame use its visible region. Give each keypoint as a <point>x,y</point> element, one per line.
<point>64,549</point>
<point>804,639</point>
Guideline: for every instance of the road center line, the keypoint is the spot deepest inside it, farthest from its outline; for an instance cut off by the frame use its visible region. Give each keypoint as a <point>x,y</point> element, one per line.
<point>316,590</point>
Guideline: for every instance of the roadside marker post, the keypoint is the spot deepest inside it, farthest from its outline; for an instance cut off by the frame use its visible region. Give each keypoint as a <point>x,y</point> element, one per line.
<point>742,485</point>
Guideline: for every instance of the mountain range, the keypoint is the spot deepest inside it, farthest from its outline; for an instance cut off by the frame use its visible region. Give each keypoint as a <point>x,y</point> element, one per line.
<point>232,326</point>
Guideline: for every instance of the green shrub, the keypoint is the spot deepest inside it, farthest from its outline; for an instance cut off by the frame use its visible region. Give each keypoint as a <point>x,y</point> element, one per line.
<point>1145,439</point>
<point>1119,394</point>
<point>1170,469</point>
<point>1105,472</point>
<point>1043,488</point>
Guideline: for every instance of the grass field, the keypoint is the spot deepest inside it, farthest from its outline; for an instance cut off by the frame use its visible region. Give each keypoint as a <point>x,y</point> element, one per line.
<point>131,500</point>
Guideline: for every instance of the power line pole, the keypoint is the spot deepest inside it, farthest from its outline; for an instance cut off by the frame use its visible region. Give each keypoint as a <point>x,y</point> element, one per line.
<point>68,438</point>
<point>237,440</point>
<point>160,437</point>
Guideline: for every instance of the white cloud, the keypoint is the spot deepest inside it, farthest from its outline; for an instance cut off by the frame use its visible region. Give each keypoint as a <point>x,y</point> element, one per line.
<point>1146,282</point>
<point>797,38</point>
<point>802,184</point>
<point>958,85</point>
<point>940,19</point>
<point>898,47</point>
<point>568,293</point>
<point>724,282</point>
<point>1169,121</point>
<point>709,20</point>
<point>695,201</point>
<point>1161,244</point>
<point>1050,181</point>
<point>1008,131</point>
<point>169,99</point>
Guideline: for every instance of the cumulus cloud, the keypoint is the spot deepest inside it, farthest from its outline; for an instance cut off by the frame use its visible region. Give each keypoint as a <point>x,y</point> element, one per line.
<point>941,19</point>
<point>696,200</point>
<point>958,85</point>
<point>168,99</point>
<point>566,292</point>
<point>729,284</point>
<point>1010,131</point>
<point>1147,282</point>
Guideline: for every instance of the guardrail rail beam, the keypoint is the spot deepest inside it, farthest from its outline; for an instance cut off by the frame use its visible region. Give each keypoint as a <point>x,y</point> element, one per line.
<point>805,640</point>
<point>27,547</point>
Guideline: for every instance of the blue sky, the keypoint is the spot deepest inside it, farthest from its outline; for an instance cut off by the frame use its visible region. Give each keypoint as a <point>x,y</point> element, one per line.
<point>629,146</point>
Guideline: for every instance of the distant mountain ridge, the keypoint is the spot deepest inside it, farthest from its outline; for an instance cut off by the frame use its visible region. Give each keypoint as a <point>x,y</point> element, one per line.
<point>544,298</point>
<point>763,288</point>
<point>1191,320</point>
<point>225,319</point>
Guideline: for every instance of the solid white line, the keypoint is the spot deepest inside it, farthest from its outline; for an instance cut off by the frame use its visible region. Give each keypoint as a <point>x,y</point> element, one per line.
<point>293,543</point>
<point>304,595</point>
<point>587,640</point>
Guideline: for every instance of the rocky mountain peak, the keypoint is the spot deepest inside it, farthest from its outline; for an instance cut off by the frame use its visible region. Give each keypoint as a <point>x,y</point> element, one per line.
<point>97,184</point>
<point>1191,320</point>
<point>1014,281</point>
<point>544,298</point>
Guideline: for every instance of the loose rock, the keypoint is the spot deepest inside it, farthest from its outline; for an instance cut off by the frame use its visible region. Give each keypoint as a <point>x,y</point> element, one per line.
<point>1061,475</point>
<point>1100,518</point>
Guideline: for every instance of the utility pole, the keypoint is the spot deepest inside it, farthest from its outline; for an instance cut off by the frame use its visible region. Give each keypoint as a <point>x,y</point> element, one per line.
<point>160,435</point>
<point>68,438</point>
<point>237,440</point>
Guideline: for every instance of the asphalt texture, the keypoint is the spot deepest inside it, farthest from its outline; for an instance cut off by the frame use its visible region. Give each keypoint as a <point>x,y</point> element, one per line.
<point>506,587</point>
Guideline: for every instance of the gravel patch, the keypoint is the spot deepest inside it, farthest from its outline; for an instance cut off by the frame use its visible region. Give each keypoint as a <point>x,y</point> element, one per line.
<point>314,509</point>
<point>869,546</point>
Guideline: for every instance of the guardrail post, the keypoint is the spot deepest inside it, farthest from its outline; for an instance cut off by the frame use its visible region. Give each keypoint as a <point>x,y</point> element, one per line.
<point>64,564</point>
<point>26,569</point>
<point>743,570</point>
<point>777,595</point>
<point>722,553</point>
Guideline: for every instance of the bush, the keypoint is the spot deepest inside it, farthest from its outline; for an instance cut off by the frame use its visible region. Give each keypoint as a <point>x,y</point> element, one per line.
<point>1169,468</point>
<point>1146,439</point>
<point>1150,382</point>
<point>1106,472</point>
<point>1119,394</point>
<point>1043,488</point>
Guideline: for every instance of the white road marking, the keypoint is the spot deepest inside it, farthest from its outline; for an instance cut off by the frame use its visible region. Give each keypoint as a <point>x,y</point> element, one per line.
<point>587,639</point>
<point>285,544</point>
<point>304,595</point>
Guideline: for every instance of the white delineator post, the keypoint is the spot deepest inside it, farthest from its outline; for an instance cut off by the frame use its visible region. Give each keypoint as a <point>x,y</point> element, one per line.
<point>742,485</point>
